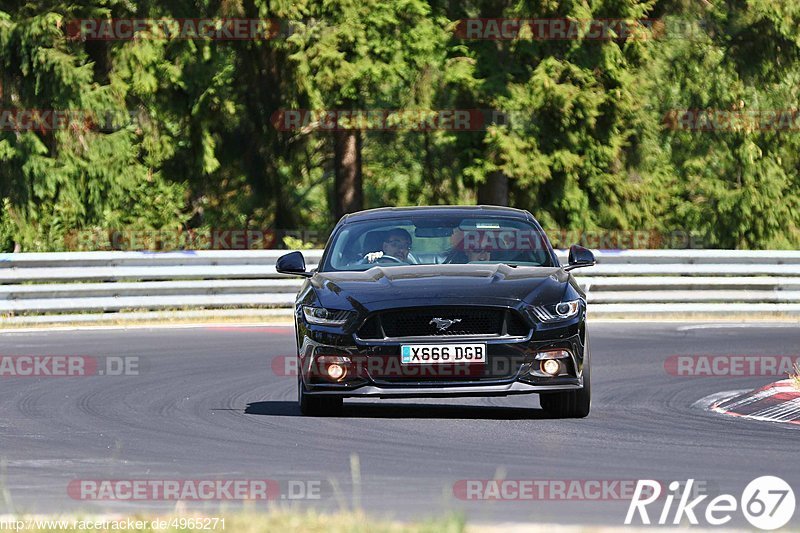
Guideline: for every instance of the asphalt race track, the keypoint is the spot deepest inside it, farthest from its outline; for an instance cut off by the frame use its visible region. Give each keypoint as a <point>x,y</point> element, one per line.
<point>207,404</point>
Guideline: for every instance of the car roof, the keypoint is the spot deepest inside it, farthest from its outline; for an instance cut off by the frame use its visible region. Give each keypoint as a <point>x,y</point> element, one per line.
<point>429,210</point>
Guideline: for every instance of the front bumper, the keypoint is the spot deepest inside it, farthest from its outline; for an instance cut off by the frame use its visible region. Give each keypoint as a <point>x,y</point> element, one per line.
<point>510,368</point>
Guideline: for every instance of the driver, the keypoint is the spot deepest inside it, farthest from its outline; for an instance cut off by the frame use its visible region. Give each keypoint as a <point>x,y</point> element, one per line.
<point>396,244</point>
<point>456,256</point>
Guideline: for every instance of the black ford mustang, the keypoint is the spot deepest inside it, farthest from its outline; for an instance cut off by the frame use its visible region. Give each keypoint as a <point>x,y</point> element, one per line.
<point>441,301</point>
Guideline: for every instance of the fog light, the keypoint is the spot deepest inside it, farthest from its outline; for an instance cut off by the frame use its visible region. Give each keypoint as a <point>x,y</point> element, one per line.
<point>331,367</point>
<point>551,366</point>
<point>336,371</point>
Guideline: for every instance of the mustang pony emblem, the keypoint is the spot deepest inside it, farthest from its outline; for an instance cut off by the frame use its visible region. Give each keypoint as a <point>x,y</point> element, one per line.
<point>444,323</point>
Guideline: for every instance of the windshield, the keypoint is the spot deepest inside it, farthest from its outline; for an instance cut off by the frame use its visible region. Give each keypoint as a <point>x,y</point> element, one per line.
<point>436,240</point>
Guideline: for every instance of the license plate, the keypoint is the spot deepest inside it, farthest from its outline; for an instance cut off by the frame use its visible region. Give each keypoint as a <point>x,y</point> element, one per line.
<point>421,354</point>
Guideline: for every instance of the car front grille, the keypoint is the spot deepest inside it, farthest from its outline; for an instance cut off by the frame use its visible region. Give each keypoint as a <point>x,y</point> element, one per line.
<point>444,322</point>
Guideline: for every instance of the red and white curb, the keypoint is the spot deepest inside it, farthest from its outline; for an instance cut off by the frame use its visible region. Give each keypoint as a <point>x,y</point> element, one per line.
<point>777,402</point>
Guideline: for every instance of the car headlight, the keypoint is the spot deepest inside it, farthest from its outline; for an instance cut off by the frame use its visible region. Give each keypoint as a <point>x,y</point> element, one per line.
<point>559,311</point>
<point>325,317</point>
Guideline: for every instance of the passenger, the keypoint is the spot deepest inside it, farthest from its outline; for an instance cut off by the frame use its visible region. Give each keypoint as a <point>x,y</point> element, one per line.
<point>478,255</point>
<point>456,256</point>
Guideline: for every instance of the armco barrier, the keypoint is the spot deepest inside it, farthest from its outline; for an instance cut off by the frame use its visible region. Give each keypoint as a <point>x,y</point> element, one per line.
<point>629,281</point>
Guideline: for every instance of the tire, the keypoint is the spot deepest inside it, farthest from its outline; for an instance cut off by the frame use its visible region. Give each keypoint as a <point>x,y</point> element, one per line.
<point>317,405</point>
<point>570,404</point>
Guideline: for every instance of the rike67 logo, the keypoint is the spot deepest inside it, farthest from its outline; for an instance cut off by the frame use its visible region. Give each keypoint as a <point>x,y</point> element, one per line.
<point>767,503</point>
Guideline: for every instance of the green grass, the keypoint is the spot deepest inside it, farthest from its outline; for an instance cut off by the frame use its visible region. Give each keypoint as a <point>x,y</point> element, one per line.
<point>249,522</point>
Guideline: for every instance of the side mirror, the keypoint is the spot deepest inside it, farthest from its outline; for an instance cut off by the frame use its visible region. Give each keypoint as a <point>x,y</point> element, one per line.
<point>292,263</point>
<point>579,257</point>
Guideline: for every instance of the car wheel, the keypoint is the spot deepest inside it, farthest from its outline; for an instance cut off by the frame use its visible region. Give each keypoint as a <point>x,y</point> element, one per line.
<point>570,404</point>
<point>316,405</point>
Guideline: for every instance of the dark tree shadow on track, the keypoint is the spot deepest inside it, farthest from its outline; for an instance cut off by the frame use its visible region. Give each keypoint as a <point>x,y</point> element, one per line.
<point>405,410</point>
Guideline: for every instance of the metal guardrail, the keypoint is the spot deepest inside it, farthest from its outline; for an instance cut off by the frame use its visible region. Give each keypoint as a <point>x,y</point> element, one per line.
<point>629,281</point>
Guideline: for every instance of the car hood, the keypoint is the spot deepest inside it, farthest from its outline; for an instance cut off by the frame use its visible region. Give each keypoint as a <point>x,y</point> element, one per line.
<point>420,285</point>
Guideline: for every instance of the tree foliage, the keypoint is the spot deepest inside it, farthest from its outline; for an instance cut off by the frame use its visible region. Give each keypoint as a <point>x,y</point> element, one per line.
<point>181,132</point>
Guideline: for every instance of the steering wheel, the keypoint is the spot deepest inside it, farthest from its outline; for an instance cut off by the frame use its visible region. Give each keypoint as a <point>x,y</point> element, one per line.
<point>390,258</point>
